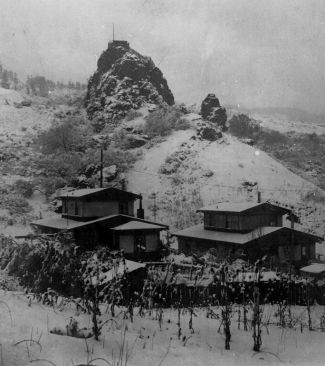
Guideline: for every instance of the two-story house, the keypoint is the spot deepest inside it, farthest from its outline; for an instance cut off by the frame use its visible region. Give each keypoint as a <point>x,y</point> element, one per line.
<point>105,217</point>
<point>253,229</point>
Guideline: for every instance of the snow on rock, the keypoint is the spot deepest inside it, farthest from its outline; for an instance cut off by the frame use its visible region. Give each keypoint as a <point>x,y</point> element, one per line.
<point>213,112</point>
<point>124,80</point>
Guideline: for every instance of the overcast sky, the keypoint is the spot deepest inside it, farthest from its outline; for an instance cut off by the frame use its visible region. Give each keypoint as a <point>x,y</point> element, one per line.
<point>249,52</point>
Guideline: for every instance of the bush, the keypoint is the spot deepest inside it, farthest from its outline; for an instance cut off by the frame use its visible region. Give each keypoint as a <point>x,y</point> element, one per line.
<point>132,114</point>
<point>66,136</point>
<point>16,204</point>
<point>182,124</point>
<point>26,189</point>
<point>271,137</point>
<point>241,125</point>
<point>162,121</point>
<point>316,196</point>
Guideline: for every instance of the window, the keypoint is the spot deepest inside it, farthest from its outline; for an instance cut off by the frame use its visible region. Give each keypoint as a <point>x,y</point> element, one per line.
<point>76,208</point>
<point>123,208</point>
<point>64,206</point>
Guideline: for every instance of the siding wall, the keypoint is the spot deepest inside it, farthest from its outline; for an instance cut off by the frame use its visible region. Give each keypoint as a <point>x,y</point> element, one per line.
<point>151,242</point>
<point>94,208</point>
<point>240,222</point>
<point>127,243</point>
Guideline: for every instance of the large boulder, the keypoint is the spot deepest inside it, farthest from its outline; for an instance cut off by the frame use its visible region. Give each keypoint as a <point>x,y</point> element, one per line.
<point>213,112</point>
<point>124,80</point>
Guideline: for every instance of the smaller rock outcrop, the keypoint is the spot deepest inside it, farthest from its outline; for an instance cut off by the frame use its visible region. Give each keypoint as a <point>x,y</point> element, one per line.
<point>208,131</point>
<point>213,112</point>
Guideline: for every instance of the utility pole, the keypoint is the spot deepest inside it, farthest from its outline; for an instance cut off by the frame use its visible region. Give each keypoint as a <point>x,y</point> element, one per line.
<point>101,168</point>
<point>113,33</point>
<point>155,208</point>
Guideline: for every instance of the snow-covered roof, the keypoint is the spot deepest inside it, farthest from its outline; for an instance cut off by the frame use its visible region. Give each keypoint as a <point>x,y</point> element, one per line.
<point>315,268</point>
<point>84,192</point>
<point>60,223</point>
<point>198,232</point>
<point>240,207</point>
<point>138,225</point>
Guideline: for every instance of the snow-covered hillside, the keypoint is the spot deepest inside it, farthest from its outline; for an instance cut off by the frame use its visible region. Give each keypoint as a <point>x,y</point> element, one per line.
<point>222,170</point>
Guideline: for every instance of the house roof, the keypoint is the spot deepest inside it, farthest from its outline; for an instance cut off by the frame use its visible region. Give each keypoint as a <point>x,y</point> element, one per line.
<point>241,207</point>
<point>314,268</point>
<point>198,232</point>
<point>85,192</point>
<point>138,225</point>
<point>60,223</point>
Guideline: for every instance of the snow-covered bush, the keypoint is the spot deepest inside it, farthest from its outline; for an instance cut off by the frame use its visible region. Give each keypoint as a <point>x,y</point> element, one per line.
<point>241,125</point>
<point>23,187</point>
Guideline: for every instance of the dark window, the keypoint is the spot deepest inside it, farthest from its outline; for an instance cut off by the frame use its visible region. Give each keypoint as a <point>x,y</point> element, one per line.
<point>227,222</point>
<point>140,242</point>
<point>123,208</point>
<point>64,206</point>
<point>76,208</point>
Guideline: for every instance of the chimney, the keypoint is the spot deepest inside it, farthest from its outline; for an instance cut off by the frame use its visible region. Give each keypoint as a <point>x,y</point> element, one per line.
<point>140,210</point>
<point>259,200</point>
<point>123,185</point>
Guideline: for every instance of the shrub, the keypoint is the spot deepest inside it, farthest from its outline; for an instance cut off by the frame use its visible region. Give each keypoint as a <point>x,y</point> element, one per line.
<point>241,125</point>
<point>16,204</point>
<point>271,137</point>
<point>66,136</point>
<point>26,189</point>
<point>314,196</point>
<point>162,121</point>
<point>132,114</point>
<point>182,124</point>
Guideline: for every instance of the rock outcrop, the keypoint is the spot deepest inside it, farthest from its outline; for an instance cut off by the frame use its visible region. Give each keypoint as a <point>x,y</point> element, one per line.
<point>208,132</point>
<point>124,80</point>
<point>213,112</point>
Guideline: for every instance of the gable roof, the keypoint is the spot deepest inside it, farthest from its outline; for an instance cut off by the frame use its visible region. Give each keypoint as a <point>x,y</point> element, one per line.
<point>138,225</point>
<point>60,223</point>
<point>86,192</point>
<point>242,207</point>
<point>198,232</point>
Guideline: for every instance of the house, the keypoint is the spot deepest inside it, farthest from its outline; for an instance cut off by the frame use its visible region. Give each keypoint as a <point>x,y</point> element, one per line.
<point>105,217</point>
<point>249,229</point>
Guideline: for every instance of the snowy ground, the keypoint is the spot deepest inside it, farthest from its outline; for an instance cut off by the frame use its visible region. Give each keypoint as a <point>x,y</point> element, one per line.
<point>145,343</point>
